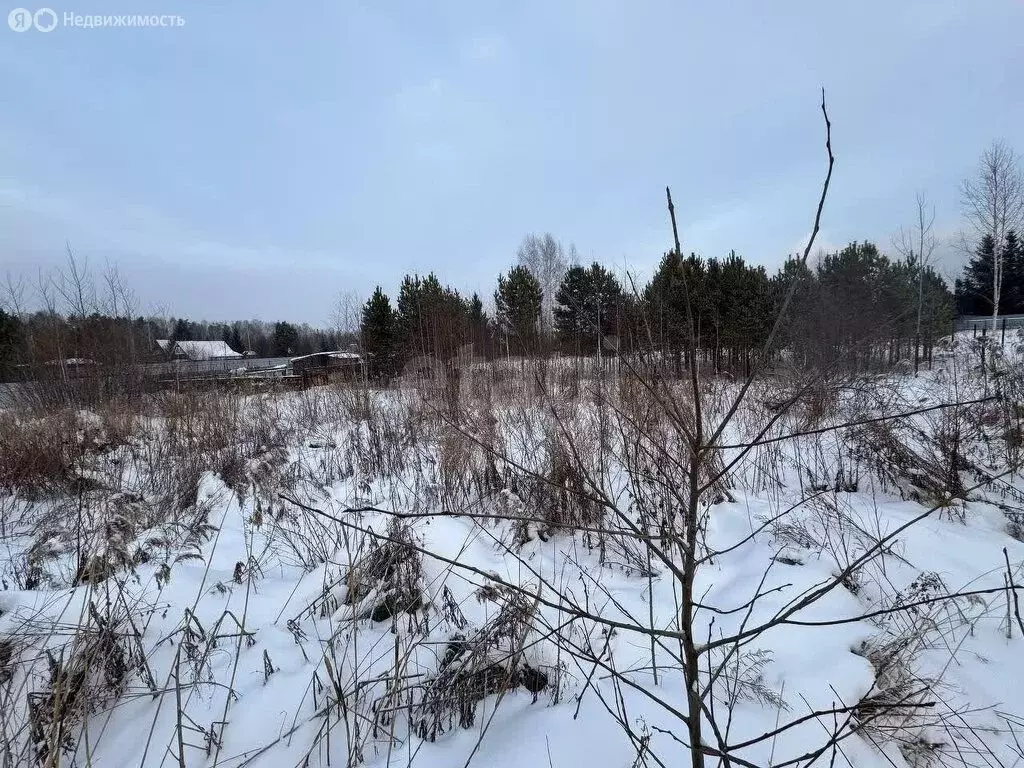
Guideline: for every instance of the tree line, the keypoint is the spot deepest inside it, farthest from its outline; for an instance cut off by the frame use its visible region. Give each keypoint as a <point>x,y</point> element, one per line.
<point>855,306</point>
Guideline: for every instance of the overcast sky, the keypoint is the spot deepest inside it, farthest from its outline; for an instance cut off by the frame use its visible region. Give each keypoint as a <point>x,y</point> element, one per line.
<point>266,156</point>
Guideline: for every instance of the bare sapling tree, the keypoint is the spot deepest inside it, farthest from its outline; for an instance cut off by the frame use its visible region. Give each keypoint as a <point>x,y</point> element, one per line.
<point>993,203</point>
<point>703,473</point>
<point>916,245</point>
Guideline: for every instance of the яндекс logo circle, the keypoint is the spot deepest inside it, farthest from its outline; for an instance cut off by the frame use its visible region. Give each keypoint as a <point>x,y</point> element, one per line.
<point>20,19</point>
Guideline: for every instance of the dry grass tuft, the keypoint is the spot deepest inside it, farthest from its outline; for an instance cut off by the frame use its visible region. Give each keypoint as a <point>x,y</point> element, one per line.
<point>483,663</point>
<point>384,582</point>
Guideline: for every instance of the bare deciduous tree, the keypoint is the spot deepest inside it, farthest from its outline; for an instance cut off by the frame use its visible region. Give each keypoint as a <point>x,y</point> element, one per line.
<point>916,245</point>
<point>993,202</point>
<point>545,257</point>
<point>120,299</point>
<point>14,294</point>
<point>347,314</point>
<point>75,285</point>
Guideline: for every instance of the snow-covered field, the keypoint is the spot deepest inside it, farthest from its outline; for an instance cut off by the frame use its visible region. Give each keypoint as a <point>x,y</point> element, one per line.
<point>382,577</point>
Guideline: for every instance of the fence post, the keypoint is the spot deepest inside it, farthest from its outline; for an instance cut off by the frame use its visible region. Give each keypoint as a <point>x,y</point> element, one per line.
<point>984,330</point>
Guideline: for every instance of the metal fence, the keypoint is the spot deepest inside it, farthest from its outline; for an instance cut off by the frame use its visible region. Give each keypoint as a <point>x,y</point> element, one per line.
<point>186,369</point>
<point>25,385</point>
<point>972,322</point>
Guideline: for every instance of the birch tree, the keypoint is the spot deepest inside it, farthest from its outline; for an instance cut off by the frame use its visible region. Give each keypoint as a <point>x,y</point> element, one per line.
<point>545,257</point>
<point>993,203</point>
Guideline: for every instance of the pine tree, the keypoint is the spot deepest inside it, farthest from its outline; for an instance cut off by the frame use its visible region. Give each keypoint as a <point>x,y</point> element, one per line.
<point>798,323</point>
<point>938,307</point>
<point>743,307</point>
<point>849,284</point>
<point>665,304</point>
<point>378,331</point>
<point>479,328</point>
<point>974,288</point>
<point>586,307</point>
<point>518,302</point>
<point>432,320</point>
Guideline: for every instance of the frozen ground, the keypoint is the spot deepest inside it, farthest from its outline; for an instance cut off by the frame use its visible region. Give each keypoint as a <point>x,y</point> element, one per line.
<point>239,628</point>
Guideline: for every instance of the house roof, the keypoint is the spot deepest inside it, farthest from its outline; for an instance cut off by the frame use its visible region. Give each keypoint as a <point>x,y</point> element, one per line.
<point>200,350</point>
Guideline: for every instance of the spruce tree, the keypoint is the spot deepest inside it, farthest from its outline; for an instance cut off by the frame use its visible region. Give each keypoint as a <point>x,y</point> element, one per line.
<point>1012,299</point>
<point>974,288</point>
<point>284,339</point>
